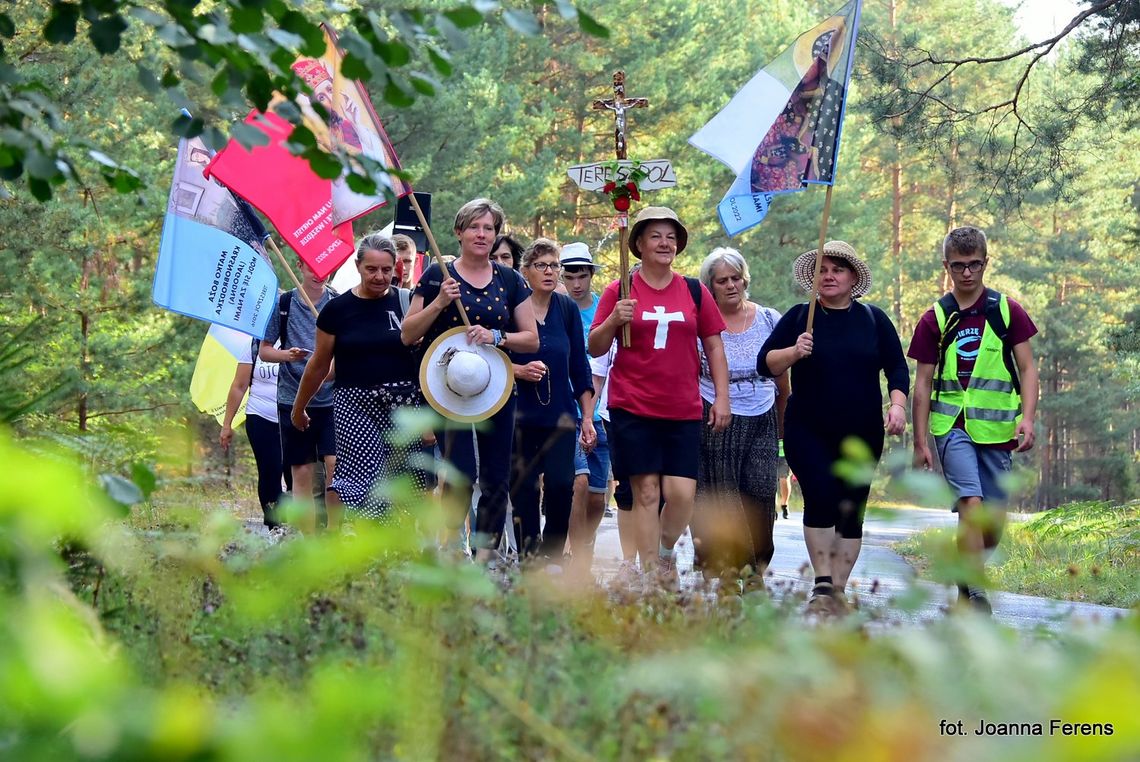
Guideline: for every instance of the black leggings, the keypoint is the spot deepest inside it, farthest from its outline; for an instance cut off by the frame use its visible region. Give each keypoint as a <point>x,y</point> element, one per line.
<point>494,437</point>
<point>265,441</point>
<point>829,500</point>
<point>545,451</point>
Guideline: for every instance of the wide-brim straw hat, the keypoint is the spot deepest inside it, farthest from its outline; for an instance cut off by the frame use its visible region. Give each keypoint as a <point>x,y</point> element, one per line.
<point>803,269</point>
<point>465,382</point>
<point>655,214</point>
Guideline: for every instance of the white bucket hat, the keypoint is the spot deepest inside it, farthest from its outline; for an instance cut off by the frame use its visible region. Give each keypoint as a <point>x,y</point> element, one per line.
<point>803,269</point>
<point>465,382</point>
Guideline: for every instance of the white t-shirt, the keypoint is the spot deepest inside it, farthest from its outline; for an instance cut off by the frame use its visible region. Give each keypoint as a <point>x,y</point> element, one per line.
<point>600,366</point>
<point>749,393</point>
<point>262,400</point>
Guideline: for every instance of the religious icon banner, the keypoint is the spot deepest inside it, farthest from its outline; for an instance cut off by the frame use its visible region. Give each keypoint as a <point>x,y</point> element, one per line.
<point>780,132</point>
<point>352,126</point>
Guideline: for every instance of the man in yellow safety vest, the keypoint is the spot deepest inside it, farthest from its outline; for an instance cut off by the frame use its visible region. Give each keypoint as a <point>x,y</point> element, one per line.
<point>976,392</point>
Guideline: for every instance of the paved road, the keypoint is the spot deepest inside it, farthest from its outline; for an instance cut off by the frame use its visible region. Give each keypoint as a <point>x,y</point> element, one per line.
<point>887,571</point>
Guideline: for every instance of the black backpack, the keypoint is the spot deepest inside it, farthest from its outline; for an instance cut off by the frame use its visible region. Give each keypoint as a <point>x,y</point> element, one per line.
<point>695,291</point>
<point>996,323</point>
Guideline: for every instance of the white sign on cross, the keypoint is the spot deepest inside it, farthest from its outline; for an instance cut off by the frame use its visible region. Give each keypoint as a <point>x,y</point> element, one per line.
<point>593,177</point>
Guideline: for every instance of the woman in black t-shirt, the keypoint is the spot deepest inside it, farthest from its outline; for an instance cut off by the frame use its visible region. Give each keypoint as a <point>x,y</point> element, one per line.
<point>835,422</point>
<point>375,375</point>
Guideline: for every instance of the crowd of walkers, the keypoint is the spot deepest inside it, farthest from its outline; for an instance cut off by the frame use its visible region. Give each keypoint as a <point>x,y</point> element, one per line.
<point>684,393</point>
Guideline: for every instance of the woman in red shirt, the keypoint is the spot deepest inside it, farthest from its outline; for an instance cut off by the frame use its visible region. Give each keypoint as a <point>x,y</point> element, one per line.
<point>655,404</point>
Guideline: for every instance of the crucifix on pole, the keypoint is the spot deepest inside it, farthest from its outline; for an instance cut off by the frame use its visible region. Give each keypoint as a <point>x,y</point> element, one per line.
<point>619,104</point>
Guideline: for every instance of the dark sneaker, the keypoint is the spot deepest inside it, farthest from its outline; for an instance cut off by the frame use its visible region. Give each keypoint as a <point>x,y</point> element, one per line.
<point>980,603</point>
<point>822,601</point>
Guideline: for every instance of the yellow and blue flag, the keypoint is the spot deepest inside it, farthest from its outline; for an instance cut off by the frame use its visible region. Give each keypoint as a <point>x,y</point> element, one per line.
<point>215,369</point>
<point>780,132</point>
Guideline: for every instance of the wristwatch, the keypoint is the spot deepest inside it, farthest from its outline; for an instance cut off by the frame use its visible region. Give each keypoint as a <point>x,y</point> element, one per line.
<point>498,337</point>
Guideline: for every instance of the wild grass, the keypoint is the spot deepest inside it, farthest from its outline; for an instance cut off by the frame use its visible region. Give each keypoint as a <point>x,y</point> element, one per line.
<point>172,634</point>
<point>1087,551</point>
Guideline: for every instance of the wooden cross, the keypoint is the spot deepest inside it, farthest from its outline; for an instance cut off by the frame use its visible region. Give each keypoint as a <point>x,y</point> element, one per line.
<point>619,104</point>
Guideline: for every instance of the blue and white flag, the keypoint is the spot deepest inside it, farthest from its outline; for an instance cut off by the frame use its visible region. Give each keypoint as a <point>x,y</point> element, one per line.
<point>781,131</point>
<point>211,263</point>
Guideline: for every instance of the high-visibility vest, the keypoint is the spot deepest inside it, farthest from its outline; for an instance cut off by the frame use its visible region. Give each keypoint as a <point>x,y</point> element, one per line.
<point>991,403</point>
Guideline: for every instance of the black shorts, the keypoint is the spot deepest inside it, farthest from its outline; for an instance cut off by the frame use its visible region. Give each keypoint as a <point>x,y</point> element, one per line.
<point>654,445</point>
<point>316,443</point>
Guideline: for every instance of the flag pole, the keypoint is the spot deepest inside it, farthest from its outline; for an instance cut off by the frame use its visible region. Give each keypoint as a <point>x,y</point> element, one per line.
<point>435,251</point>
<point>819,257</point>
<point>292,275</point>
<point>623,263</point>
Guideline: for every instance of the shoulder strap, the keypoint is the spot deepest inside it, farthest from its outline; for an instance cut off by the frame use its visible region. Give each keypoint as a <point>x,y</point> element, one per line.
<point>874,322</point>
<point>993,313</point>
<point>283,307</point>
<point>952,314</point>
<point>694,291</point>
<point>405,300</point>
<point>255,345</point>
<point>998,324</point>
<point>771,321</point>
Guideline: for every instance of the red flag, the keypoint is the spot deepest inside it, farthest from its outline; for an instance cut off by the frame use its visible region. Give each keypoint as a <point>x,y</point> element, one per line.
<point>285,189</point>
<point>418,265</point>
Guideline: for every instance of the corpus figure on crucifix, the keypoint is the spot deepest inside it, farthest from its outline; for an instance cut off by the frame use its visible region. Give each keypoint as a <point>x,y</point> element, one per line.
<point>618,104</point>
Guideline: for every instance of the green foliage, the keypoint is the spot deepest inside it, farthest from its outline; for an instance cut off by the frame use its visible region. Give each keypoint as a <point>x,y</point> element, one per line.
<point>1086,551</point>
<point>243,49</point>
<point>1021,104</point>
<point>184,638</point>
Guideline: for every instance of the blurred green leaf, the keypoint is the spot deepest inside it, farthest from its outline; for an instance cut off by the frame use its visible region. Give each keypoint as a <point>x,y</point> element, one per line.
<point>464,17</point>
<point>106,34</point>
<point>60,27</point>
<point>522,22</point>
<point>122,491</point>
<point>187,126</point>
<point>591,26</point>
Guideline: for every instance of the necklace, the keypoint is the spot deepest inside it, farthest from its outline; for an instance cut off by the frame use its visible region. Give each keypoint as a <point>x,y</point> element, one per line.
<point>744,317</point>
<point>549,388</point>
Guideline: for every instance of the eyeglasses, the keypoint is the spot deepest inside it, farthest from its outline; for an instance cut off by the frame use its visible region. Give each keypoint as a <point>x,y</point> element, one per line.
<point>549,267</point>
<point>973,266</point>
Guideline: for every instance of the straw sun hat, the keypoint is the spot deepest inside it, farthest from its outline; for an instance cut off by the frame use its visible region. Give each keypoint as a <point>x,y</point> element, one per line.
<point>803,269</point>
<point>465,382</point>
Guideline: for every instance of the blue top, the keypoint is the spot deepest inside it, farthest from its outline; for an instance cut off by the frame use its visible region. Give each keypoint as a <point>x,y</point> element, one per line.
<point>587,321</point>
<point>562,349</point>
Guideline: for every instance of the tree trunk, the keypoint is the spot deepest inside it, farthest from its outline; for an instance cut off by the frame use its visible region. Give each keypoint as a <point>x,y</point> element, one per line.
<point>84,368</point>
<point>896,232</point>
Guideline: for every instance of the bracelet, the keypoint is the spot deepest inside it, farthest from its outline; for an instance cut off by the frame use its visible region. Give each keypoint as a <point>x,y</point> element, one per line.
<point>899,404</point>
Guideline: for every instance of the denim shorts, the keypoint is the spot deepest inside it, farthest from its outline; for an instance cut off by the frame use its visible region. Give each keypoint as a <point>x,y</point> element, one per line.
<point>974,470</point>
<point>597,462</point>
